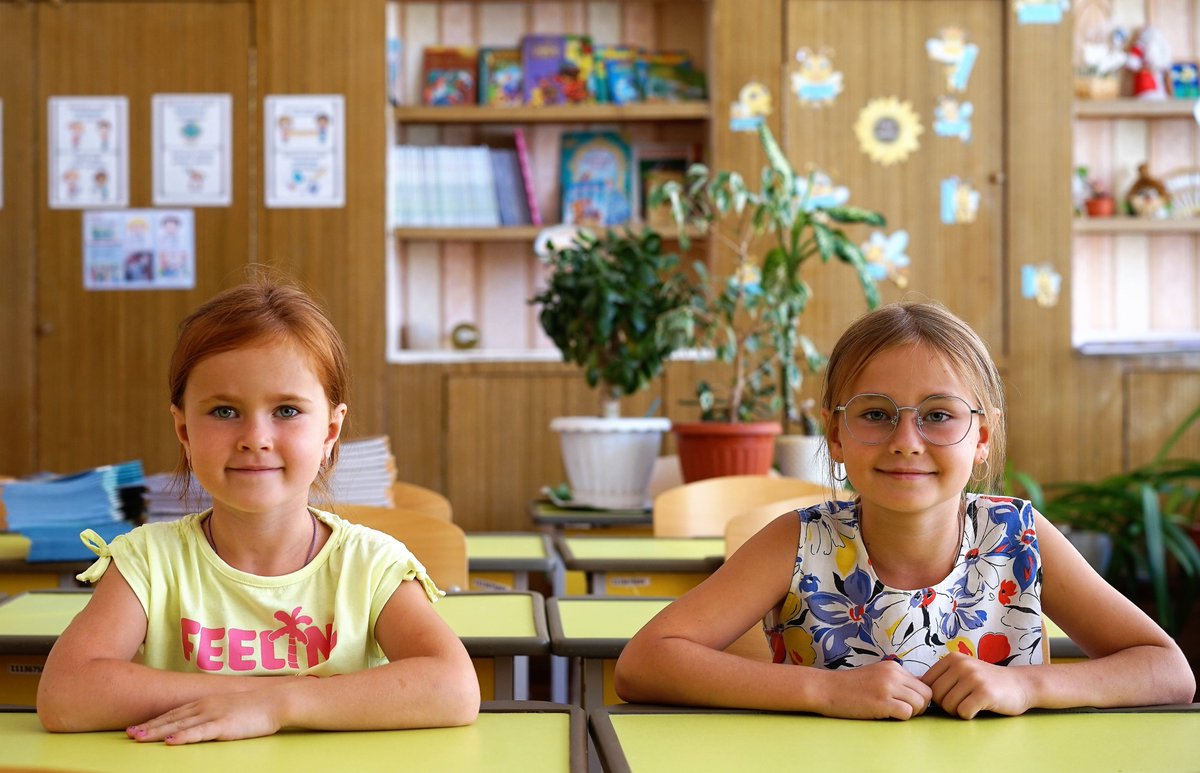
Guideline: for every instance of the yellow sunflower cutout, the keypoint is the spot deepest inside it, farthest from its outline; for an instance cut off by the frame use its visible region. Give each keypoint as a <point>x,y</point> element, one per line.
<point>888,129</point>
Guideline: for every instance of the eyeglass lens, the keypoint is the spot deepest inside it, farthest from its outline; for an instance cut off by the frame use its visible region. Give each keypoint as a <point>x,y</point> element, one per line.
<point>941,419</point>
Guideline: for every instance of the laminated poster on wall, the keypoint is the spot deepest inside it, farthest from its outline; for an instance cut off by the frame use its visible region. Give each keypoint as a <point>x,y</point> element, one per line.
<point>192,149</point>
<point>88,152</point>
<point>139,249</point>
<point>304,150</point>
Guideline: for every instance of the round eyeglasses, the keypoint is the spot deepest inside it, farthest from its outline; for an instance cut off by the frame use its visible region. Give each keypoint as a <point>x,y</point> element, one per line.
<point>942,420</point>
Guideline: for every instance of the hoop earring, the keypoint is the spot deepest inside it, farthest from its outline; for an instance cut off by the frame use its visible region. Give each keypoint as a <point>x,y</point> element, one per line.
<point>986,464</point>
<point>835,475</point>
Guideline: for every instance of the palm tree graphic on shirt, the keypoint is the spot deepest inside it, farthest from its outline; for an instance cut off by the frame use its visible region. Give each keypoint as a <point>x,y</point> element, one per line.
<point>291,629</point>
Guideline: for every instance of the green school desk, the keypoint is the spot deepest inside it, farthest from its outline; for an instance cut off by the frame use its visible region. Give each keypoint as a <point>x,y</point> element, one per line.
<point>494,628</point>
<point>507,737</point>
<point>1061,647</point>
<point>593,630</point>
<point>504,560</point>
<point>641,566</point>
<point>632,737</point>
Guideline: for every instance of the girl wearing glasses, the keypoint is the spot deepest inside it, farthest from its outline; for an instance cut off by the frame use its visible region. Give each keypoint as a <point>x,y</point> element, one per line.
<point>915,591</point>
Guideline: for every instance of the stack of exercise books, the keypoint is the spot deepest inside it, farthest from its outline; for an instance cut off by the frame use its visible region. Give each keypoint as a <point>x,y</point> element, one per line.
<point>51,510</point>
<point>165,500</point>
<point>365,472</point>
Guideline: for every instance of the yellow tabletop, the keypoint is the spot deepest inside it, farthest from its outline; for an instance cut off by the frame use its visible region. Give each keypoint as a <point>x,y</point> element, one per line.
<point>635,738</point>
<point>597,626</point>
<point>490,624</point>
<point>642,554</point>
<point>510,552</point>
<point>543,737</point>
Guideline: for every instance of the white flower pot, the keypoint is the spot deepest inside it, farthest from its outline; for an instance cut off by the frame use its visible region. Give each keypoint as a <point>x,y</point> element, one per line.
<point>805,457</point>
<point>609,461</point>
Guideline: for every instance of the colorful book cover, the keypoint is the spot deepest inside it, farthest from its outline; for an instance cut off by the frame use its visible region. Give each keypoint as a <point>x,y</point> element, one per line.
<point>655,163</point>
<point>616,76</point>
<point>596,179</point>
<point>645,60</point>
<point>674,83</point>
<point>449,75</point>
<point>500,77</point>
<point>558,69</point>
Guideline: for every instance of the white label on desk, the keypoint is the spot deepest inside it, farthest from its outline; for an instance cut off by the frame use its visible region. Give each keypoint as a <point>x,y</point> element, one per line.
<point>629,582</point>
<point>25,669</point>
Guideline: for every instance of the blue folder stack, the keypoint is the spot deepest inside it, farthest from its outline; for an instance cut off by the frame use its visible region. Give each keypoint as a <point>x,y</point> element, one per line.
<point>52,510</point>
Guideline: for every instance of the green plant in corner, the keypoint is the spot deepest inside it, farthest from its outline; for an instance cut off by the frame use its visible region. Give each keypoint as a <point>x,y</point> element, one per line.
<point>607,307</point>
<point>751,319</point>
<point>1146,512</point>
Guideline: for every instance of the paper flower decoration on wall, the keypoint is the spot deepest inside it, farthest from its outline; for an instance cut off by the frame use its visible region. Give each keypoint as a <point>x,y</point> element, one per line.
<point>752,107</point>
<point>886,259</point>
<point>818,190</point>
<point>888,130</point>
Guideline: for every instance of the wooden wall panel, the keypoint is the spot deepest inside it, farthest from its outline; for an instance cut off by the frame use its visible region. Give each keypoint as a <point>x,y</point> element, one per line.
<point>880,49</point>
<point>1156,403</point>
<point>18,453</point>
<point>324,47</point>
<point>102,358</point>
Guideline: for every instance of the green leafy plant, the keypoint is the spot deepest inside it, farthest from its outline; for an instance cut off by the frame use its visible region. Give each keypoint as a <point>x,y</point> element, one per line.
<point>1147,513</point>
<point>751,318</point>
<point>607,307</point>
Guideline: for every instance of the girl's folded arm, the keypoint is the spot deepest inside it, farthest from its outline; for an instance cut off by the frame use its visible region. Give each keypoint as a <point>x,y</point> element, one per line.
<point>1132,661</point>
<point>90,681</point>
<point>428,682</point>
<point>678,656</point>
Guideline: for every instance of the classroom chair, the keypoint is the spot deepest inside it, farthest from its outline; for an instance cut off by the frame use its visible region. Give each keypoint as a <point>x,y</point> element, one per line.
<point>753,643</point>
<point>410,496</point>
<point>703,507</point>
<point>439,545</point>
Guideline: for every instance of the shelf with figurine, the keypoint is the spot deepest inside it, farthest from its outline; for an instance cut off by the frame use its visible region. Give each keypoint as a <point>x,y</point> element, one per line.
<point>1170,205</point>
<point>1123,77</point>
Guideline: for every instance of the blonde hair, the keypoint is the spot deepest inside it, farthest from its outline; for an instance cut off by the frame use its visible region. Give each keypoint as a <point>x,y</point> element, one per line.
<point>932,325</point>
<point>263,310</point>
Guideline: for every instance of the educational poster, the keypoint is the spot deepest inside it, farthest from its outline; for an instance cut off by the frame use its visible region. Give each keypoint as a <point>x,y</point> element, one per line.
<point>192,155</point>
<point>139,249</point>
<point>88,152</point>
<point>305,153</point>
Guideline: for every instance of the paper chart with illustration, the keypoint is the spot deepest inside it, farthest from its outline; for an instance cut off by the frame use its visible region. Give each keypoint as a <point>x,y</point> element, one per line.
<point>192,149</point>
<point>88,152</point>
<point>305,152</point>
<point>139,249</point>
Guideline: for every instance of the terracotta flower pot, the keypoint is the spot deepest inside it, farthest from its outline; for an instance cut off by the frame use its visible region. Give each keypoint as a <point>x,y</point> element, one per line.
<point>1100,207</point>
<point>712,449</point>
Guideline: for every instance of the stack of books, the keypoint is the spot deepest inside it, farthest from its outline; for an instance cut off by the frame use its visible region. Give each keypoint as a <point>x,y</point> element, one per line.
<point>476,186</point>
<point>365,472</point>
<point>165,500</point>
<point>51,510</point>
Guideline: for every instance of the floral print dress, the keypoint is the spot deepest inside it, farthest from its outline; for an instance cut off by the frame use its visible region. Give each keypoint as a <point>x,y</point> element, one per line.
<point>838,614</point>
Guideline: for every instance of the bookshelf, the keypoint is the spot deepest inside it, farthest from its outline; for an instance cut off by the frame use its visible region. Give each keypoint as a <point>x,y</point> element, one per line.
<point>443,276</point>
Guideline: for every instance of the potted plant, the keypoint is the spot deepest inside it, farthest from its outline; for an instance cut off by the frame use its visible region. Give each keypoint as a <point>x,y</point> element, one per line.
<point>607,307</point>
<point>1144,516</point>
<point>751,318</point>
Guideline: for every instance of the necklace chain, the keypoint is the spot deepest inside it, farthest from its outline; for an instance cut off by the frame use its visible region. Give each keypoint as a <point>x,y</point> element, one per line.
<point>312,547</point>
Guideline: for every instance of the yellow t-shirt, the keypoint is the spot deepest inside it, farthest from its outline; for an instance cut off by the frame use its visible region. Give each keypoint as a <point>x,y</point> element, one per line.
<point>205,616</point>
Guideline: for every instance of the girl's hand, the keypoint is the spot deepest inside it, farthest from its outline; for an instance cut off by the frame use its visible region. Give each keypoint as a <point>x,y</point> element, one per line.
<point>964,686</point>
<point>213,718</point>
<point>883,690</point>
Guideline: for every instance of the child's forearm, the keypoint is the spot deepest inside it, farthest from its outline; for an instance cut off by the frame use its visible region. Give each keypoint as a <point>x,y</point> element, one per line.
<point>414,692</point>
<point>1139,676</point>
<point>106,694</point>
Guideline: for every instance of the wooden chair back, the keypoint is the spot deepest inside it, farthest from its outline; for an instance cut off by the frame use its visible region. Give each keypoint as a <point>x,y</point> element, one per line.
<point>410,496</point>
<point>702,508</point>
<point>753,643</point>
<point>439,545</point>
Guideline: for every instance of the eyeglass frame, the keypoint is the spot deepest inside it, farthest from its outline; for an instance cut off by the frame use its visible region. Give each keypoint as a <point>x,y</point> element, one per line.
<point>916,409</point>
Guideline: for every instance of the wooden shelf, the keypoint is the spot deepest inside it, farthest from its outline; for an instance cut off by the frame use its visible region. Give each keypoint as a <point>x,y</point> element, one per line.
<point>657,111</point>
<point>520,233</point>
<point>1133,108</point>
<point>1134,225</point>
